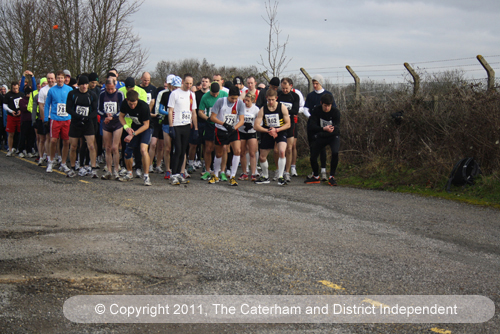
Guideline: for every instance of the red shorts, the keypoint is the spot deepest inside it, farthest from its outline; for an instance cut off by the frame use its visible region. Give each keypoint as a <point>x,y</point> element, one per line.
<point>60,129</point>
<point>13,124</point>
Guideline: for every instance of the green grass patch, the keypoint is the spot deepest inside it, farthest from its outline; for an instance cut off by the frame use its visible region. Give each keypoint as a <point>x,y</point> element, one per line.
<point>485,191</point>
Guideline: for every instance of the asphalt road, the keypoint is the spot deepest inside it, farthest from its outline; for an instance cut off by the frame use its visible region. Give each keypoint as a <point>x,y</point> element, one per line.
<point>62,237</point>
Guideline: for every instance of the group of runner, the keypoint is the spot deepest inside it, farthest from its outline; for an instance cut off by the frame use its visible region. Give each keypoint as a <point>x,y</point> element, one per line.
<point>124,124</point>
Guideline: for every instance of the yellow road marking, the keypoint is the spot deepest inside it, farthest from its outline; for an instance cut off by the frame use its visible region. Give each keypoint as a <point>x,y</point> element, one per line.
<point>440,331</point>
<point>374,303</point>
<point>36,164</point>
<point>84,182</point>
<point>331,285</point>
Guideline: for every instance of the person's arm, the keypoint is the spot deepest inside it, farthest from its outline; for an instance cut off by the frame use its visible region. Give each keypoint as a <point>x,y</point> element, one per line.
<point>144,127</point>
<point>215,111</point>
<point>6,107</point>
<point>48,101</point>
<point>70,105</point>
<point>258,121</point>
<point>95,101</point>
<point>286,119</point>
<point>241,121</point>
<point>194,119</point>
<point>201,112</point>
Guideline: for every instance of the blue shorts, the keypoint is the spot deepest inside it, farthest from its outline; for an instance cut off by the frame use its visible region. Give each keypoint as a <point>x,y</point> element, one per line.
<point>165,128</point>
<point>142,138</point>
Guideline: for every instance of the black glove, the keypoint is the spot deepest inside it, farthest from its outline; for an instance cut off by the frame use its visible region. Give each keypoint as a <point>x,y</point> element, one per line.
<point>228,127</point>
<point>195,135</point>
<point>248,126</point>
<point>171,132</point>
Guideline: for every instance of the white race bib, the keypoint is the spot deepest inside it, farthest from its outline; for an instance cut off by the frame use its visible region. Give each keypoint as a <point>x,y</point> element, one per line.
<point>110,108</point>
<point>186,117</point>
<point>230,119</point>
<point>273,121</point>
<point>324,123</point>
<point>82,111</point>
<point>249,119</point>
<point>288,105</point>
<point>61,110</point>
<point>148,98</point>
<point>16,102</point>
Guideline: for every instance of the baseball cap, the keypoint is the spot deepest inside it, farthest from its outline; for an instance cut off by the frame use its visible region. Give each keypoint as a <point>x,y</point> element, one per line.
<point>237,80</point>
<point>67,72</point>
<point>129,82</point>
<point>177,82</point>
<point>170,78</point>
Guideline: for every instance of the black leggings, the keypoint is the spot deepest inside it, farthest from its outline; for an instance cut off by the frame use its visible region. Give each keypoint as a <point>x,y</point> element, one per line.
<point>180,144</point>
<point>27,137</point>
<point>319,145</point>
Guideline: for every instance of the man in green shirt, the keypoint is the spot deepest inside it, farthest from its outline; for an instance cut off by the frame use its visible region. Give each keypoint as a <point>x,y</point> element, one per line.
<point>205,110</point>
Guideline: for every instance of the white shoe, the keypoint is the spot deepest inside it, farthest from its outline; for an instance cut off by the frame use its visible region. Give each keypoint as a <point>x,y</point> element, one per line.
<point>147,181</point>
<point>64,168</point>
<point>93,174</point>
<point>151,169</point>
<point>21,155</point>
<point>82,171</point>
<point>276,174</point>
<point>174,180</point>
<point>29,155</point>
<point>123,171</point>
<point>158,170</point>
<point>9,154</point>
<point>293,171</point>
<point>323,176</point>
<point>138,173</point>
<point>49,167</point>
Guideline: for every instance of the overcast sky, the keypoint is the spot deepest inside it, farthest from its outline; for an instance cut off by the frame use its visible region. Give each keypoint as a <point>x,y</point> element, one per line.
<point>324,36</point>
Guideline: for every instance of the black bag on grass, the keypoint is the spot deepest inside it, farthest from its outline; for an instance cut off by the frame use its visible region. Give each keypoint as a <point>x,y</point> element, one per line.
<point>463,173</point>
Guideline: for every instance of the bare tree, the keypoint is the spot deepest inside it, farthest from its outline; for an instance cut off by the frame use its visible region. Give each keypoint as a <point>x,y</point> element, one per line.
<point>88,36</point>
<point>276,58</point>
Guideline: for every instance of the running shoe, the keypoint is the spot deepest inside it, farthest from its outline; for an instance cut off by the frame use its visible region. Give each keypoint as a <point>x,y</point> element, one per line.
<point>262,180</point>
<point>49,167</point>
<point>127,177</point>
<point>64,168</point>
<point>147,181</point>
<point>243,177</point>
<point>82,171</point>
<point>323,176</point>
<point>105,169</point>
<point>332,181</point>
<point>232,182</point>
<point>186,175</point>
<point>282,181</point>
<point>287,177</point>
<point>213,180</point>
<point>293,171</point>
<point>198,164</point>
<point>174,180</point>
<point>29,155</point>
<point>138,173</point>
<point>254,178</point>
<point>71,173</point>
<point>93,174</point>
<point>312,180</point>
<point>191,169</point>
<point>21,155</point>
<point>167,175</point>
<point>158,170</point>
<point>182,179</point>
<point>77,165</point>
<point>206,176</point>
<point>123,171</point>
<point>223,177</point>
<point>9,154</point>
<point>106,176</point>
<point>116,175</point>
<point>276,175</point>
<point>151,170</point>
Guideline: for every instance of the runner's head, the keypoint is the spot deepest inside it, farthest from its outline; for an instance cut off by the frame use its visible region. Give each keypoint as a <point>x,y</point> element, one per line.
<point>251,83</point>
<point>67,76</point>
<point>318,81</point>
<point>60,78</point>
<point>326,102</point>
<point>145,79</point>
<point>214,89</point>
<point>111,85</point>
<point>274,84</point>
<point>93,80</point>
<point>234,94</point>
<point>43,82</point>
<point>205,83</point>
<point>83,83</point>
<point>238,82</point>
<point>271,97</point>
<point>249,99</point>
<point>176,83</point>
<point>168,82</point>
<point>132,99</point>
<point>286,86</point>
<point>14,87</point>
<point>187,82</point>
<point>51,79</point>
<point>218,78</point>
<point>129,83</point>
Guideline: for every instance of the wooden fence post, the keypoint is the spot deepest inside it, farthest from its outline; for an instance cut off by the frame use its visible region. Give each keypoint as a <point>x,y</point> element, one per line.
<point>310,87</point>
<point>416,79</point>
<point>489,71</point>
<point>357,88</point>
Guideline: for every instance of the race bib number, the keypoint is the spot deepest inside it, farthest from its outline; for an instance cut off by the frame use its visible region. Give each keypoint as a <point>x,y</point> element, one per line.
<point>16,102</point>
<point>324,123</point>
<point>82,111</point>
<point>249,119</point>
<point>230,119</point>
<point>288,105</point>
<point>110,108</point>
<point>61,110</point>
<point>273,121</point>
<point>186,117</point>
<point>148,98</point>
